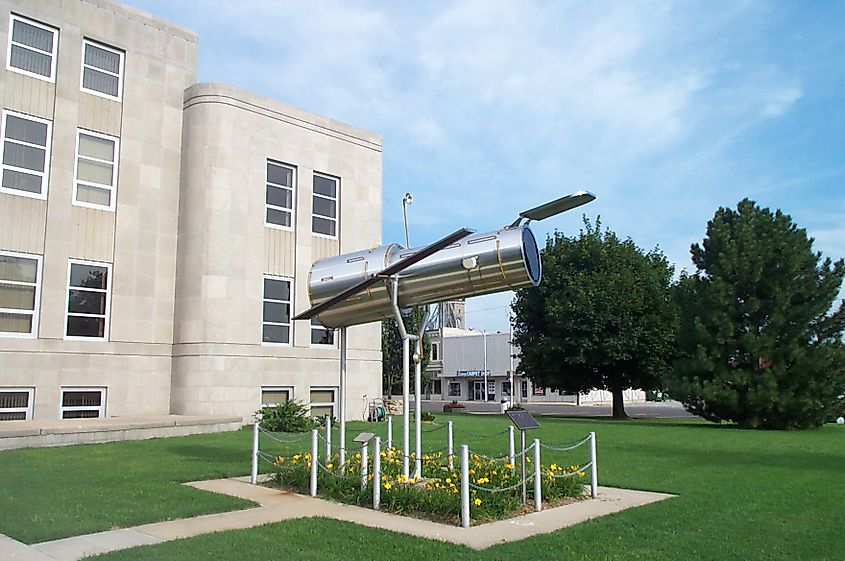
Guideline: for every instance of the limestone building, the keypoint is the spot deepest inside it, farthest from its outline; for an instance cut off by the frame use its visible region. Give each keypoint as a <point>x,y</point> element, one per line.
<point>156,234</point>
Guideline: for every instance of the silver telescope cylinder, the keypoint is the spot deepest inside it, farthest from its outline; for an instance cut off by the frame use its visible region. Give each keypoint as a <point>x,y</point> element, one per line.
<point>478,264</point>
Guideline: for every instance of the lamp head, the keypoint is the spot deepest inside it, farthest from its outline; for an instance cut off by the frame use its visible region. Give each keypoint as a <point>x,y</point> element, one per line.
<point>407,199</point>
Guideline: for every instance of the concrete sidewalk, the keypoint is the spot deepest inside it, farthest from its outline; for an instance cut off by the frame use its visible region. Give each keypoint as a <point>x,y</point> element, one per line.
<point>276,506</point>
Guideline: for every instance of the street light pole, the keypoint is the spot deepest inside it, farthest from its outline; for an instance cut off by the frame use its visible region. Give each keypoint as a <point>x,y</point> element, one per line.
<point>406,201</point>
<point>484,338</point>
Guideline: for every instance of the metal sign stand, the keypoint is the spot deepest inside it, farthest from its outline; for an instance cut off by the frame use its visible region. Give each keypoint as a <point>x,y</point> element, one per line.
<point>523,420</point>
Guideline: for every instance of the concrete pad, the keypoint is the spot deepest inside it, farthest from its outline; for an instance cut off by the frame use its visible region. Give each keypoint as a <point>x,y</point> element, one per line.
<point>71,549</point>
<point>290,505</point>
<point>13,550</point>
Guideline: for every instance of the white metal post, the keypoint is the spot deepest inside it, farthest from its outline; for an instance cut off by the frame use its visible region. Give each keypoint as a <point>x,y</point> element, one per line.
<point>364,453</point>
<point>315,451</point>
<point>376,473</point>
<point>450,446</point>
<point>524,483</point>
<point>390,431</point>
<point>418,408</point>
<point>594,477</point>
<point>510,352</point>
<point>342,406</point>
<point>511,453</point>
<point>328,439</point>
<point>253,474</point>
<point>538,479</point>
<point>406,433</point>
<point>465,520</point>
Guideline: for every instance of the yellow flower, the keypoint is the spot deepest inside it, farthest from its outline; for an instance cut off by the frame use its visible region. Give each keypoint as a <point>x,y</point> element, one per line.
<point>477,502</point>
<point>448,480</point>
<point>387,486</point>
<point>553,467</point>
<point>329,466</point>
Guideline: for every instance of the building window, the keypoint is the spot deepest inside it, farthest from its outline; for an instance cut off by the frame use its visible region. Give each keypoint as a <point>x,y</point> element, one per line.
<point>88,300</point>
<point>435,351</point>
<point>454,389</point>
<point>322,402</point>
<point>96,170</point>
<point>324,211</point>
<point>280,197</point>
<point>32,48</point>
<point>524,388</point>
<point>102,70</point>
<point>438,389</point>
<point>321,335</point>
<point>83,403</point>
<point>506,389</point>
<point>16,404</point>
<point>277,301</point>
<point>26,155</point>
<point>20,275</point>
<point>271,397</point>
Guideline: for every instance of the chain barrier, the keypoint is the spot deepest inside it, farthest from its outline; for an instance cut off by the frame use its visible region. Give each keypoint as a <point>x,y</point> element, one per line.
<point>484,435</point>
<point>566,447</point>
<point>441,427</point>
<point>499,489</point>
<point>267,458</point>
<point>271,436</point>
<point>506,456</point>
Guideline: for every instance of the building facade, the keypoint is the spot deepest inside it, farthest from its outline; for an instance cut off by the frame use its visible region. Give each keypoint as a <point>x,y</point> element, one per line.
<point>156,234</point>
<point>468,365</point>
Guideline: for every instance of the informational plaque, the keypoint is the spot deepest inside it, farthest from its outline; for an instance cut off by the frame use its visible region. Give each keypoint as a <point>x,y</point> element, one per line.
<point>523,420</point>
<point>364,437</point>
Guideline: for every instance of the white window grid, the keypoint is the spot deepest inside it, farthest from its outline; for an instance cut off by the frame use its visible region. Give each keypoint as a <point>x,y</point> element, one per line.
<point>275,389</point>
<point>435,352</point>
<point>27,411</point>
<point>336,199</point>
<point>42,194</point>
<point>106,291</point>
<point>52,77</point>
<point>37,284</point>
<point>289,323</point>
<point>317,327</point>
<point>112,187</point>
<point>291,188</point>
<point>119,74</point>
<point>332,403</point>
<point>101,409</point>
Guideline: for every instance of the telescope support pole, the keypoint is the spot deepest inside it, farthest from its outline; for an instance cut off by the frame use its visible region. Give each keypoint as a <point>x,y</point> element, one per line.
<point>342,407</point>
<point>406,352</point>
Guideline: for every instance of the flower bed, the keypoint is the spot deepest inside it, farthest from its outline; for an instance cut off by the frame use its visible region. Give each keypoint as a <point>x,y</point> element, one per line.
<point>436,495</point>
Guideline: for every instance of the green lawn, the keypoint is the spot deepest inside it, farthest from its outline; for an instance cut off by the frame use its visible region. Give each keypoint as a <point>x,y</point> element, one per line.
<point>743,495</point>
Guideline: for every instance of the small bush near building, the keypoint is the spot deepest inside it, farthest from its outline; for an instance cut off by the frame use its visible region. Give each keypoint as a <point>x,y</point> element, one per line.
<point>291,416</point>
<point>427,416</point>
<point>495,492</point>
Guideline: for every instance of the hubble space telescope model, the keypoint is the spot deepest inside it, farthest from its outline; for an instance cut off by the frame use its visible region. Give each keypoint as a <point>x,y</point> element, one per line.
<point>355,288</point>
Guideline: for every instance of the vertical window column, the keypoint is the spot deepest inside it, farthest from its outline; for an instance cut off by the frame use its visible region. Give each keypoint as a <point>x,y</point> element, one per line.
<point>20,277</point>
<point>26,155</point>
<point>276,326</point>
<point>279,196</point>
<point>88,300</point>
<point>321,335</point>
<point>96,170</point>
<point>32,48</point>
<point>324,205</point>
<point>102,70</point>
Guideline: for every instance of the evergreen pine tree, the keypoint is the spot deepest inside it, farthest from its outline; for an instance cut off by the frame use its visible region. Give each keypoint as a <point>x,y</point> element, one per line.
<point>760,341</point>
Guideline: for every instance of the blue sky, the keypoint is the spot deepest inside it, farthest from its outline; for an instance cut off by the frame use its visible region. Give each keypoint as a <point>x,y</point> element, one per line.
<point>664,110</point>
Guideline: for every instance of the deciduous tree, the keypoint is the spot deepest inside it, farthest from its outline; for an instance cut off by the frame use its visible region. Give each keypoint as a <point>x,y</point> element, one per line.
<point>603,316</point>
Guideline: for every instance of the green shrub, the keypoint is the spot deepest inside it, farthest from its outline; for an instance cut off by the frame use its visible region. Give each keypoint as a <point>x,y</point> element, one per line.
<point>427,416</point>
<point>291,416</point>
